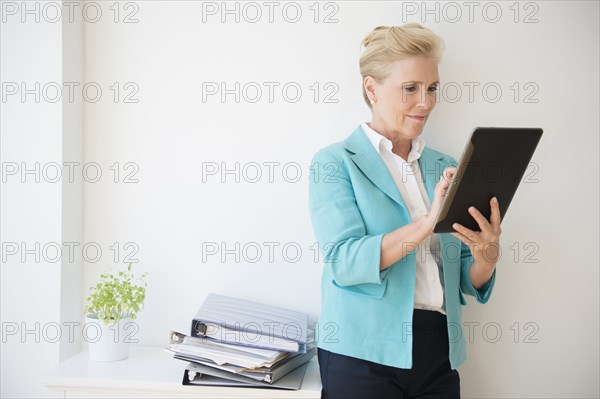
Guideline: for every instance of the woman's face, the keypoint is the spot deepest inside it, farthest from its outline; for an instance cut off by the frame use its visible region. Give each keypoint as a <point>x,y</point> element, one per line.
<point>406,97</point>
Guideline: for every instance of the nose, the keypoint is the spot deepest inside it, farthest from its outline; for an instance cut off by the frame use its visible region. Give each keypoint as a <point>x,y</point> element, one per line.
<point>426,99</point>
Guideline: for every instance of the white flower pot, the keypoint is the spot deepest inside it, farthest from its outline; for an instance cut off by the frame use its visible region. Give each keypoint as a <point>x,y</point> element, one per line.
<point>107,342</point>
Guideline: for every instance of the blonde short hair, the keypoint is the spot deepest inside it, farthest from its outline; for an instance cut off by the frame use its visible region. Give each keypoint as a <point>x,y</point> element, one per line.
<point>386,44</point>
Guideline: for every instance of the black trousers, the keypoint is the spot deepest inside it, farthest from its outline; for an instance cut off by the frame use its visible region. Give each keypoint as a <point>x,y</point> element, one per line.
<point>347,377</point>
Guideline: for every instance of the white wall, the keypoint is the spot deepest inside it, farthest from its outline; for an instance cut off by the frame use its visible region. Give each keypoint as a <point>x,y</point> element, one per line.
<point>170,134</point>
<point>41,130</point>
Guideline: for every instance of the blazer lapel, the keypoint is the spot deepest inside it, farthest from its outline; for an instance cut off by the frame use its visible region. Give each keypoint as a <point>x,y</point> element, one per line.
<point>370,163</point>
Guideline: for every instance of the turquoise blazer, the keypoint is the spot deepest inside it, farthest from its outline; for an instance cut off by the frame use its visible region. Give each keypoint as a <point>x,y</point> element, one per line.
<point>367,313</point>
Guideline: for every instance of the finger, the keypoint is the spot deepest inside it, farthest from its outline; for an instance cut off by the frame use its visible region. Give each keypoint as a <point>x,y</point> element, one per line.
<point>449,173</point>
<point>463,239</point>
<point>468,233</point>
<point>479,218</point>
<point>495,217</point>
<point>443,183</point>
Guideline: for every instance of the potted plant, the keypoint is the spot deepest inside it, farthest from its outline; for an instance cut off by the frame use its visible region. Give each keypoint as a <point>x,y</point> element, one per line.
<point>111,306</point>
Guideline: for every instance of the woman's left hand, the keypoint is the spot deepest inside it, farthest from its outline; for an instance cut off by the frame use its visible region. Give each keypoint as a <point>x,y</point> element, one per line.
<point>484,244</point>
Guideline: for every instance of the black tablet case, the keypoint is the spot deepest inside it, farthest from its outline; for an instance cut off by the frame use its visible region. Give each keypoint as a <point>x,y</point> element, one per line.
<point>492,164</point>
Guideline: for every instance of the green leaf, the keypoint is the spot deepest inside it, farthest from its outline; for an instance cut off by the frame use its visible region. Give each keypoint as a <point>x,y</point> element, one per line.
<point>117,296</point>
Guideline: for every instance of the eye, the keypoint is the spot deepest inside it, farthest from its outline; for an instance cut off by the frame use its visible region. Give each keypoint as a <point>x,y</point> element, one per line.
<point>433,89</point>
<point>410,89</point>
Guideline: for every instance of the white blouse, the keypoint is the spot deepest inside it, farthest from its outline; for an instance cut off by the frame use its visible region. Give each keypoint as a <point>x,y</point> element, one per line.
<point>429,285</point>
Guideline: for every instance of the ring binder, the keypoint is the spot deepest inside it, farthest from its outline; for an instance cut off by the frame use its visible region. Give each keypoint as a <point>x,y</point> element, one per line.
<point>240,322</point>
<point>240,343</point>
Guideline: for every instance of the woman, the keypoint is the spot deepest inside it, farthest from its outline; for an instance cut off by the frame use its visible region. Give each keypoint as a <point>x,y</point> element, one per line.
<point>391,289</point>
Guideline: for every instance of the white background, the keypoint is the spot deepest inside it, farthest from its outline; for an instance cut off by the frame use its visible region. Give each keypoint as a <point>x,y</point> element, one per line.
<point>545,303</point>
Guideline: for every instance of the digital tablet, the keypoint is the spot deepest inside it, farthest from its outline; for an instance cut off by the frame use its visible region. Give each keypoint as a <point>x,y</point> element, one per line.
<point>493,164</point>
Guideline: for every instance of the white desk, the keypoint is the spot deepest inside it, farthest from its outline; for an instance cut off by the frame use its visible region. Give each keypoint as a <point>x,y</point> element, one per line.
<point>151,372</point>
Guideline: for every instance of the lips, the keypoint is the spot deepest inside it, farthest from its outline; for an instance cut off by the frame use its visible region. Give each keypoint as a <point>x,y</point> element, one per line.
<point>418,117</point>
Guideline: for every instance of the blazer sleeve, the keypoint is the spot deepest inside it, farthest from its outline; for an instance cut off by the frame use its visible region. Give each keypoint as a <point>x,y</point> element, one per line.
<point>352,256</point>
<point>483,293</point>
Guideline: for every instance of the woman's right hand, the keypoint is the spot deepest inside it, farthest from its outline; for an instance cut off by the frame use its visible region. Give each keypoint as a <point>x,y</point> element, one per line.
<point>441,189</point>
<point>398,243</point>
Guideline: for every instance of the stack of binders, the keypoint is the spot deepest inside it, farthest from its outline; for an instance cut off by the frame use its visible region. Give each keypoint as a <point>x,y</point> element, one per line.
<point>239,343</point>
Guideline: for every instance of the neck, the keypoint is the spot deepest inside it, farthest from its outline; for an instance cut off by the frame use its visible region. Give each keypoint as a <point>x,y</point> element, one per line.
<point>400,145</point>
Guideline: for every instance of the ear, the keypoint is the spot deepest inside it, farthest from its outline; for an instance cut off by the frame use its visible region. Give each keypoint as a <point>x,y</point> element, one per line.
<point>369,85</point>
